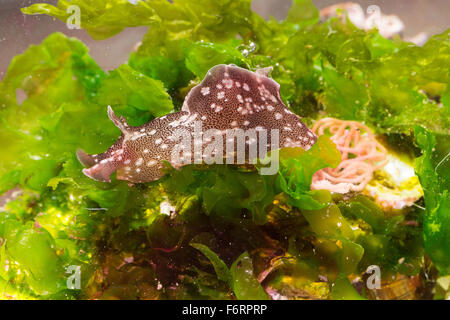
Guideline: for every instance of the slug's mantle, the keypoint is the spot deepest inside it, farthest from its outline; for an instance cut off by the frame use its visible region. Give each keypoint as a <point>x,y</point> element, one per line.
<point>228,98</point>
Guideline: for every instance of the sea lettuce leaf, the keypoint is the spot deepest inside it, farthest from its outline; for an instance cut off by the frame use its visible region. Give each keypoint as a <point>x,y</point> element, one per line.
<point>35,251</point>
<point>202,56</point>
<point>302,12</point>
<point>391,238</point>
<point>297,168</point>
<point>243,282</point>
<point>134,95</point>
<point>101,18</point>
<point>33,93</point>
<point>224,190</point>
<point>162,58</point>
<point>239,277</point>
<point>64,109</point>
<point>222,271</point>
<point>437,201</point>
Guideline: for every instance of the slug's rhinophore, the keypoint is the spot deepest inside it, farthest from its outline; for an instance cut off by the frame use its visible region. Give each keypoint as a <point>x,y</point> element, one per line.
<point>229,98</point>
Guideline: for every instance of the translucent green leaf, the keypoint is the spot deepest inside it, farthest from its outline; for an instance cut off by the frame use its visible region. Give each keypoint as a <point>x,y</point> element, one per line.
<point>219,266</point>
<point>134,95</point>
<point>101,18</point>
<point>302,12</point>
<point>202,56</point>
<point>35,252</point>
<point>244,284</point>
<point>437,201</point>
<point>297,168</point>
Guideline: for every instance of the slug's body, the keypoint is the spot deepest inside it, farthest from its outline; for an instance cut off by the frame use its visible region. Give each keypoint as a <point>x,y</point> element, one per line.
<point>229,98</point>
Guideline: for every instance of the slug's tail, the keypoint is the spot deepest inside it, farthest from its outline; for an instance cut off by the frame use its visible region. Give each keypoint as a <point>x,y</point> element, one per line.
<point>101,172</point>
<point>86,159</point>
<point>101,166</point>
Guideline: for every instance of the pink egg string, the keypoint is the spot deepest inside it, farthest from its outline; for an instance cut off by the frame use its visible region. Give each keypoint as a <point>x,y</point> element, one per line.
<point>361,155</point>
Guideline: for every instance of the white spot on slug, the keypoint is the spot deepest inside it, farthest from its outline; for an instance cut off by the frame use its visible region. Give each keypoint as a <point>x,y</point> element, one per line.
<point>205,91</point>
<point>228,83</point>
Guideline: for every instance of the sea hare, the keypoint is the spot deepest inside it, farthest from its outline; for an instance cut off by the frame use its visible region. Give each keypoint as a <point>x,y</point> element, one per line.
<point>234,115</point>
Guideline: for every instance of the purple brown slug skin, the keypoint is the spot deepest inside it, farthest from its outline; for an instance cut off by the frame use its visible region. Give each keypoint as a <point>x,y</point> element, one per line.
<point>229,99</point>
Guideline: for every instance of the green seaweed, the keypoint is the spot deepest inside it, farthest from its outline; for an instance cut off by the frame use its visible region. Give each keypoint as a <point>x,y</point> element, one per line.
<point>274,232</point>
